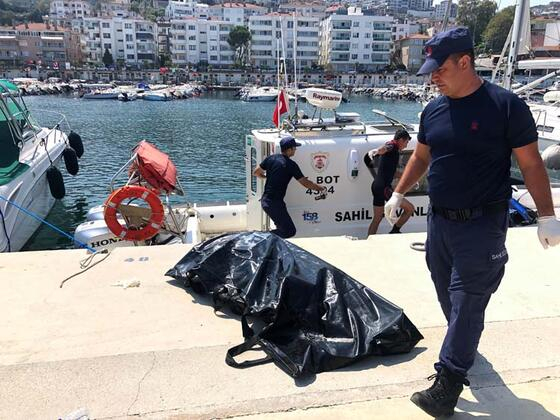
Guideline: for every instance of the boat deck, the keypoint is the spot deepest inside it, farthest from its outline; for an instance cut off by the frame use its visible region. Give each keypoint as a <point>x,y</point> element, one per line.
<point>155,351</point>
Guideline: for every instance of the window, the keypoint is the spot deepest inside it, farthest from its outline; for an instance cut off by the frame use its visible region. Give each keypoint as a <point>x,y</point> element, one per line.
<point>105,25</point>
<point>128,37</point>
<point>192,38</point>
<point>107,46</point>
<point>192,27</point>
<point>356,24</point>
<point>356,35</point>
<point>355,46</point>
<point>366,57</point>
<point>213,28</point>
<point>354,56</point>
<point>106,36</point>
<point>192,47</point>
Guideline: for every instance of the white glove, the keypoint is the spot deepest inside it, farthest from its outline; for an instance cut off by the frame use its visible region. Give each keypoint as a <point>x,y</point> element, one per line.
<point>548,231</point>
<point>372,153</point>
<point>322,194</point>
<point>392,206</point>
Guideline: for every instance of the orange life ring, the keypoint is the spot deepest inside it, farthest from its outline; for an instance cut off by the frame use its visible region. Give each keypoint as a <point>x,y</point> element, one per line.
<point>153,225</point>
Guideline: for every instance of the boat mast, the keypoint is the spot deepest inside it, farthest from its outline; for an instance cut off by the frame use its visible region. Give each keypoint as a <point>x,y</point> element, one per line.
<point>515,38</point>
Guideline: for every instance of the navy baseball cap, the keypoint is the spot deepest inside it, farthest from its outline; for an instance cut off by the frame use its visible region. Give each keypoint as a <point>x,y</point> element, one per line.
<point>288,142</point>
<point>444,44</point>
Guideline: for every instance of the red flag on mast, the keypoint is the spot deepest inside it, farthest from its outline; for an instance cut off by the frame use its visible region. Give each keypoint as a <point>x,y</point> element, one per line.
<point>282,106</point>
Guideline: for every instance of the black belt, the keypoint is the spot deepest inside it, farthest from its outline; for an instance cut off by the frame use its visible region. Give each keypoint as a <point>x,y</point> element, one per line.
<point>463,215</point>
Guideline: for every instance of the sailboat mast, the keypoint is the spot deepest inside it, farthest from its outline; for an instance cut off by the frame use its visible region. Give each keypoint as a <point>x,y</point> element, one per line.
<point>295,67</point>
<point>515,39</point>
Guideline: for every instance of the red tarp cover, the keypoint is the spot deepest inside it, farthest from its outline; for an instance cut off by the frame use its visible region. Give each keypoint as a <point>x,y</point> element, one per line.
<point>156,167</point>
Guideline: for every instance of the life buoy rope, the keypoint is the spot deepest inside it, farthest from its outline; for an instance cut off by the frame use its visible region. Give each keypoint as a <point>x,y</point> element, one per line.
<point>151,227</point>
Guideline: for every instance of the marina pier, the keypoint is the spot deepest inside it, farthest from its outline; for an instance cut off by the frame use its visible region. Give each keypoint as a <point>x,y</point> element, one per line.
<point>155,351</point>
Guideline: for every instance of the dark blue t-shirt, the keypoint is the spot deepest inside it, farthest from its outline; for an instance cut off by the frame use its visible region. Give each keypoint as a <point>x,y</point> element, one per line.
<point>471,140</point>
<point>279,171</point>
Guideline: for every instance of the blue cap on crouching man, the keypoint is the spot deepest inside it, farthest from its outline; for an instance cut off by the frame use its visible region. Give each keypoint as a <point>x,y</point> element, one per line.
<point>444,44</point>
<point>288,142</point>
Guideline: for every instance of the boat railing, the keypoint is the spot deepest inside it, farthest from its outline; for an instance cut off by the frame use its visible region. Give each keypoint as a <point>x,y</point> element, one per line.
<point>45,140</point>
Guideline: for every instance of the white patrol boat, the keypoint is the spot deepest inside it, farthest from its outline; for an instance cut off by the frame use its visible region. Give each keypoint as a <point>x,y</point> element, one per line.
<point>331,154</point>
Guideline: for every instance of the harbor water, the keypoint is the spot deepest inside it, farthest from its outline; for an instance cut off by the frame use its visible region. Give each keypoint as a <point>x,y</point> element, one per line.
<point>203,136</point>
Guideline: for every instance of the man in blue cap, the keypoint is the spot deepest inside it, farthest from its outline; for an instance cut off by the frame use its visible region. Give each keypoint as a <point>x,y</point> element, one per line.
<point>278,170</point>
<point>466,139</point>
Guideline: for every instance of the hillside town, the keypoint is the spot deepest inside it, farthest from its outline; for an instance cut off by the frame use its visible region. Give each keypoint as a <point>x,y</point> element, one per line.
<point>102,39</point>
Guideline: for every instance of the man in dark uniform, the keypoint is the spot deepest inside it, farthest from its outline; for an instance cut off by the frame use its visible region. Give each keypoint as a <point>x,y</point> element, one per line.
<point>382,164</point>
<point>466,138</point>
<point>278,170</point>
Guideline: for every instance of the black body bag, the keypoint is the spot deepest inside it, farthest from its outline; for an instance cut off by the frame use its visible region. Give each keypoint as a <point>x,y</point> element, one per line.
<point>312,317</point>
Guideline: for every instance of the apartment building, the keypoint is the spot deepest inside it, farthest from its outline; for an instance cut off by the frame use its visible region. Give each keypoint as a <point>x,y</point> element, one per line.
<point>355,42</point>
<point>194,41</point>
<point>69,9</point>
<point>440,9</point>
<point>178,9</point>
<point>237,13</point>
<point>312,8</point>
<point>131,41</point>
<point>411,51</point>
<point>273,34</point>
<point>33,42</point>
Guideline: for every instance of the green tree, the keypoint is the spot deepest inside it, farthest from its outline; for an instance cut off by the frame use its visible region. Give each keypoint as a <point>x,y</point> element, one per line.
<point>475,15</point>
<point>496,32</point>
<point>108,58</point>
<point>238,40</point>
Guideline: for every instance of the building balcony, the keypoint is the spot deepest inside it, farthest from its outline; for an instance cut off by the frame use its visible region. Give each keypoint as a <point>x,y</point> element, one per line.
<point>341,37</point>
<point>340,48</point>
<point>341,28</point>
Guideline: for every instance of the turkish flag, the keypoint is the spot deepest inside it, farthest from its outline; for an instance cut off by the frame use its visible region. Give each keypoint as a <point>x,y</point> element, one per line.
<point>282,107</point>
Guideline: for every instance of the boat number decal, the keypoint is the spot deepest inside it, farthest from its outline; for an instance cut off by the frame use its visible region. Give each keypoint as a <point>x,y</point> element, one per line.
<point>330,190</point>
<point>365,214</point>
<point>325,180</point>
<point>319,161</point>
<point>311,217</point>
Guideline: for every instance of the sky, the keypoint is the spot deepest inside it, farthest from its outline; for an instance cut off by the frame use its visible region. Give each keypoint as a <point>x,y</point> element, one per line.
<point>506,3</point>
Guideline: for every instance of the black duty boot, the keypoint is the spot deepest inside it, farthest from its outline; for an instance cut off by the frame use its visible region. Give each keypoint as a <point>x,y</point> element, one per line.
<point>441,398</point>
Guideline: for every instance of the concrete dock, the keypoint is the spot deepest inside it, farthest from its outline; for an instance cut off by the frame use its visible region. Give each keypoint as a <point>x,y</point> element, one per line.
<point>156,351</point>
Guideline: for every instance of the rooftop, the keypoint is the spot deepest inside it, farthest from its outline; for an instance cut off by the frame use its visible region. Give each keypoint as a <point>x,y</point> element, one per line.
<point>156,351</point>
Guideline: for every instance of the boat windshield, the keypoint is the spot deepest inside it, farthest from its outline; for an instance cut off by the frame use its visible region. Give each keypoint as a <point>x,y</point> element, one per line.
<point>17,112</point>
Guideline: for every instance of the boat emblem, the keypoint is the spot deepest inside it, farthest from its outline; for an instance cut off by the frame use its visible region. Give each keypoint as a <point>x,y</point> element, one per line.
<point>319,161</point>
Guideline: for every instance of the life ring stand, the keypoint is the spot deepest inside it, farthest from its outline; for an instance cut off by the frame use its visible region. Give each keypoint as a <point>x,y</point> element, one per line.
<point>149,229</point>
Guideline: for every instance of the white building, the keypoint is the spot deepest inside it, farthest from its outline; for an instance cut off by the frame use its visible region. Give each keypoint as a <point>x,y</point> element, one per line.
<point>355,42</point>
<point>69,9</point>
<point>237,13</point>
<point>274,33</point>
<point>130,41</point>
<point>178,9</point>
<point>404,29</point>
<point>193,41</point>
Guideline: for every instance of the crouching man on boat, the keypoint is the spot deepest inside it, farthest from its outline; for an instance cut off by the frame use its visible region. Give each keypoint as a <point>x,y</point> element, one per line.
<point>278,170</point>
<point>387,157</point>
<point>466,139</point>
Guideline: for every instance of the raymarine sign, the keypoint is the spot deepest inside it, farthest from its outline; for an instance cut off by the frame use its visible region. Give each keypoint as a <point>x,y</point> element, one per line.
<point>323,98</point>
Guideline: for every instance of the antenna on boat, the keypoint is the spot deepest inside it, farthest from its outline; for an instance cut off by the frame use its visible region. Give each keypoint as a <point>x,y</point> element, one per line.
<point>294,30</point>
